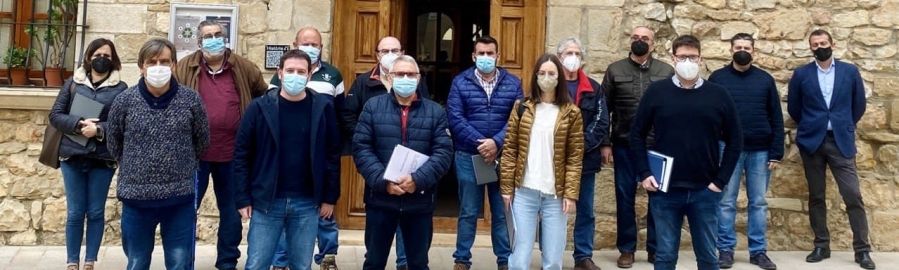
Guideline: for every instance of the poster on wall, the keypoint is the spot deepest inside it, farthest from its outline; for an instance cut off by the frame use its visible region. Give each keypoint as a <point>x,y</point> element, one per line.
<point>273,55</point>
<point>186,17</point>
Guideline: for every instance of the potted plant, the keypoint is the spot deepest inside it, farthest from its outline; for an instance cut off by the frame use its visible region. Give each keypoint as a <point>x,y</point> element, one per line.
<point>55,39</point>
<point>15,59</point>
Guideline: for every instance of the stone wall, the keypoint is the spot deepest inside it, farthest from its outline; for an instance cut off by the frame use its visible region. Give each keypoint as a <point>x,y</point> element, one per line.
<point>865,33</point>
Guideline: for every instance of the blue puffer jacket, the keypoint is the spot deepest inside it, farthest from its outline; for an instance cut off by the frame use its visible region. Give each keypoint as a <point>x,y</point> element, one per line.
<point>472,116</point>
<point>380,130</point>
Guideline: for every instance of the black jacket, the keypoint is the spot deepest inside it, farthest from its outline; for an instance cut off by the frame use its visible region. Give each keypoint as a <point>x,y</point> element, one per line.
<point>624,83</point>
<point>380,130</point>
<point>64,122</point>
<point>758,106</point>
<point>592,102</point>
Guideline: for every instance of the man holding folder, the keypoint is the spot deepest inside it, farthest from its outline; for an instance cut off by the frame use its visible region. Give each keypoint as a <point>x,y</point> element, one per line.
<point>407,201</point>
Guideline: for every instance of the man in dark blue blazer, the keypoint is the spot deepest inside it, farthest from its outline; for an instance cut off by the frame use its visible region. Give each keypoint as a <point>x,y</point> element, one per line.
<point>826,99</point>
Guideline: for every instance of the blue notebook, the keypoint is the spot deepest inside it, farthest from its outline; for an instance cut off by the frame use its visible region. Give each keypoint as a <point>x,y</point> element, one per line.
<point>661,166</point>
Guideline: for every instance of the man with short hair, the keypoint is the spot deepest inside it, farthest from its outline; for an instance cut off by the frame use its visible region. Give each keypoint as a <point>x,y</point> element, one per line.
<point>226,83</point>
<point>826,99</point>
<point>478,107</point>
<point>288,176</point>
<point>388,121</point>
<point>587,95</point>
<point>699,172</point>
<point>758,104</point>
<point>625,83</point>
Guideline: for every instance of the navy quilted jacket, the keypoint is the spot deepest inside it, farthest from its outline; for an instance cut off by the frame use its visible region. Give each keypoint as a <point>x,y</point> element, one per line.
<point>472,116</point>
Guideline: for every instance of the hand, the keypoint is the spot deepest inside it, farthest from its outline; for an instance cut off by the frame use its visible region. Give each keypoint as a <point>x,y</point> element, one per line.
<point>246,212</point>
<point>326,211</point>
<point>714,188</point>
<point>772,165</point>
<point>568,206</point>
<point>89,127</point>
<point>650,184</point>
<point>394,189</point>
<point>487,149</point>
<point>507,199</point>
<point>607,157</point>
<point>407,184</point>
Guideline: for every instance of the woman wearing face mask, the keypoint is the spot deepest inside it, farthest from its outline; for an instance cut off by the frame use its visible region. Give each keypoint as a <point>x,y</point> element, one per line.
<point>87,167</point>
<point>541,165</point>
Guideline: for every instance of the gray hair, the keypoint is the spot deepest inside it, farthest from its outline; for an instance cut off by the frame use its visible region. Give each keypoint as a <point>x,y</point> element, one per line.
<point>209,23</point>
<point>568,41</point>
<point>407,59</point>
<point>154,47</point>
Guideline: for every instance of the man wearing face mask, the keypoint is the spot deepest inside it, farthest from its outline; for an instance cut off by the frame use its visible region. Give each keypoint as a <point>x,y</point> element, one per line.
<point>478,106</point>
<point>688,117</point>
<point>157,132</point>
<point>226,83</point>
<point>287,174</point>
<point>826,99</point>
<point>400,118</point>
<point>758,105</point>
<point>625,82</point>
<point>326,80</point>
<point>587,95</point>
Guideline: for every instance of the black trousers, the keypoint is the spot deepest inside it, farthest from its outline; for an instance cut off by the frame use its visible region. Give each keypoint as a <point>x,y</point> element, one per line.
<point>845,175</point>
<point>380,228</point>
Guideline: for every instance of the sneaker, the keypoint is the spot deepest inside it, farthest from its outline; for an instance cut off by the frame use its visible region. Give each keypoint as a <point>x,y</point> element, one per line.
<point>460,266</point>
<point>329,262</point>
<point>72,266</point>
<point>762,261</point>
<point>725,259</point>
<point>586,264</point>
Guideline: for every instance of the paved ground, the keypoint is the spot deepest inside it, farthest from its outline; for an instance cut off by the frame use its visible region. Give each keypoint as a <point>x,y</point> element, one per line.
<point>351,257</point>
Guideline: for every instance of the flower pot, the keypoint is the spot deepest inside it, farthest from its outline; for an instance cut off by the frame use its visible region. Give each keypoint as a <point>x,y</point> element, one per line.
<point>53,76</point>
<point>18,76</point>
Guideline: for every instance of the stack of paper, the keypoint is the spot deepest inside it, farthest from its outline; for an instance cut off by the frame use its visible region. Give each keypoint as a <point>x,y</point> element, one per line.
<point>403,161</point>
<point>661,166</point>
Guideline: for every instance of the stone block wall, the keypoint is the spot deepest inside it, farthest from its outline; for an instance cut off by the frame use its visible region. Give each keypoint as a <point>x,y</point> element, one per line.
<point>865,33</point>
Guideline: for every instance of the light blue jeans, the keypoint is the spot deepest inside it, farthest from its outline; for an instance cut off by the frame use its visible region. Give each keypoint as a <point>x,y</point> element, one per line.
<point>527,206</point>
<point>755,166</point>
<point>297,218</point>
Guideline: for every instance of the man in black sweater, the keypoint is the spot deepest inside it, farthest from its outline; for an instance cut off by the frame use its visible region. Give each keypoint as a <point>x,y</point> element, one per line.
<point>755,95</point>
<point>689,116</point>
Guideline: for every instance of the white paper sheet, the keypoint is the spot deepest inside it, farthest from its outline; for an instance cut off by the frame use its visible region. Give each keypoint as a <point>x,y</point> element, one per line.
<point>403,161</point>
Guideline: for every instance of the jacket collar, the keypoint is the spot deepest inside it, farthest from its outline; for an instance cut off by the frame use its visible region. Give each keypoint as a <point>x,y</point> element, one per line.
<point>471,76</point>
<point>195,59</point>
<point>583,86</point>
<point>80,77</point>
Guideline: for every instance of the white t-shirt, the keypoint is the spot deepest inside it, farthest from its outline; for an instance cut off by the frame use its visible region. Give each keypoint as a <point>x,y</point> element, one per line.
<point>540,173</point>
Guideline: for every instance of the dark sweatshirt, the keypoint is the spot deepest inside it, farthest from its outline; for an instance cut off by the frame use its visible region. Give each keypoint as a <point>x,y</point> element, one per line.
<point>758,106</point>
<point>688,123</point>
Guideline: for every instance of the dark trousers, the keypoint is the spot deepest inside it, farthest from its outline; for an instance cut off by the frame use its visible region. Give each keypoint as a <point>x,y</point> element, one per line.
<point>844,173</point>
<point>230,229</point>
<point>380,227</point>
<point>700,207</point>
<point>626,183</point>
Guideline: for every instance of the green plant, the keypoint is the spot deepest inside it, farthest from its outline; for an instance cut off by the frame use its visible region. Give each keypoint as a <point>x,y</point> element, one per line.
<point>16,57</point>
<point>55,38</point>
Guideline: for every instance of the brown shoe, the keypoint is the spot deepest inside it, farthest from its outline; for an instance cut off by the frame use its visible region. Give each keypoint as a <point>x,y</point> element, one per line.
<point>626,260</point>
<point>460,266</point>
<point>329,262</point>
<point>586,264</point>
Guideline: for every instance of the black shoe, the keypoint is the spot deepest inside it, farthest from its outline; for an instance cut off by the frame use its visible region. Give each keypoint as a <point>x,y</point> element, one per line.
<point>725,259</point>
<point>762,261</point>
<point>864,260</point>
<point>817,255</point>
<point>651,257</point>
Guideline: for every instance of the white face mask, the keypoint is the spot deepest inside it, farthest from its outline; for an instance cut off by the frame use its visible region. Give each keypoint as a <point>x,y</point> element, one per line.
<point>158,76</point>
<point>547,82</point>
<point>387,60</point>
<point>687,70</point>
<point>572,63</point>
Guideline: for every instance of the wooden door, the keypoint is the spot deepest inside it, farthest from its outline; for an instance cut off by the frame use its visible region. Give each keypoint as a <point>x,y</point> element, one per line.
<point>519,26</point>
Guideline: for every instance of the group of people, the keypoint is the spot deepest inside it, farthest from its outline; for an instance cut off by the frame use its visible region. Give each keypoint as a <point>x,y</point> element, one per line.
<point>271,150</point>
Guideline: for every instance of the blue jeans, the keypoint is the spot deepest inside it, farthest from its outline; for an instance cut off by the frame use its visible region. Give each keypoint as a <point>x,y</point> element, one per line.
<point>755,165</point>
<point>177,227</point>
<point>418,228</point>
<point>327,243</point>
<point>625,198</point>
<point>86,184</point>
<point>669,209</point>
<point>585,221</point>
<point>471,200</point>
<point>297,218</point>
<point>528,207</point>
<point>230,229</point>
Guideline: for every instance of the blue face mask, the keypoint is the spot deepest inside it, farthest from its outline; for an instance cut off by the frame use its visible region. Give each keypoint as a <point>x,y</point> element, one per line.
<point>405,86</point>
<point>214,46</point>
<point>485,64</point>
<point>293,83</point>
<point>313,52</point>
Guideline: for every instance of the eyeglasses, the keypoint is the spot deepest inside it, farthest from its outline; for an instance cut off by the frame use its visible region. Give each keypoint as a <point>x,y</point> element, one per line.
<point>386,51</point>
<point>404,74</point>
<point>682,58</point>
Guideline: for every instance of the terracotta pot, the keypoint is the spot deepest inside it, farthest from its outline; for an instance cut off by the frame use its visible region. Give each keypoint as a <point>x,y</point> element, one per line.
<point>53,76</point>
<point>18,76</point>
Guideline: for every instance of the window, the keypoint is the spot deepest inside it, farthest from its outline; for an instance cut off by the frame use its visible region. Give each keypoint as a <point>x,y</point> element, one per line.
<point>435,37</point>
<point>37,40</point>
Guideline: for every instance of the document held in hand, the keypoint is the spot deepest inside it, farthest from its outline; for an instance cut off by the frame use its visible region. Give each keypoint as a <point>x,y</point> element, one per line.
<point>661,166</point>
<point>484,172</point>
<point>85,108</point>
<point>403,161</point>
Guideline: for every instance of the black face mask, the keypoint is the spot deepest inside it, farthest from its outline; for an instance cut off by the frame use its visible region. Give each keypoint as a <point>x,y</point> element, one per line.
<point>823,53</point>
<point>742,58</point>
<point>639,48</point>
<point>101,65</point>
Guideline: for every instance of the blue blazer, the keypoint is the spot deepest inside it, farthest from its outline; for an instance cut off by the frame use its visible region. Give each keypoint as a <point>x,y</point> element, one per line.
<point>806,106</point>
